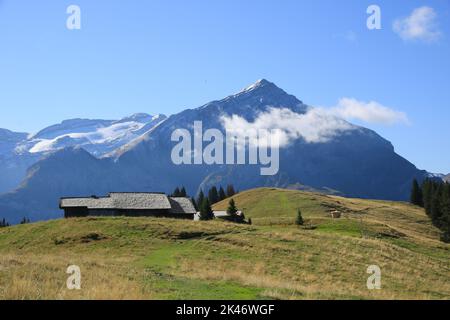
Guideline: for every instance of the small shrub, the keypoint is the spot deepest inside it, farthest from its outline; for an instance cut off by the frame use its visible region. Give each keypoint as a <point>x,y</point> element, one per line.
<point>299,220</point>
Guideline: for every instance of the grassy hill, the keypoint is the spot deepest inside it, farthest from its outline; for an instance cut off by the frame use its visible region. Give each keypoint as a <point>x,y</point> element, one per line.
<point>146,258</point>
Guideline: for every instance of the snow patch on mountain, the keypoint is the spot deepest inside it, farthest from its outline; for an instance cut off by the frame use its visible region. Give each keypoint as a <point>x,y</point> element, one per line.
<point>96,136</point>
<point>99,136</point>
<point>19,151</point>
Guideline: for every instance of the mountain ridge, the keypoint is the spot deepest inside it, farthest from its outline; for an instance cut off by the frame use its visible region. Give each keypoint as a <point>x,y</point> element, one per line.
<point>356,163</point>
<point>18,151</point>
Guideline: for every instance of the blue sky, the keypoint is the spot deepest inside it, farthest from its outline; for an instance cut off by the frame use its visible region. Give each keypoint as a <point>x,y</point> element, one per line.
<point>163,56</point>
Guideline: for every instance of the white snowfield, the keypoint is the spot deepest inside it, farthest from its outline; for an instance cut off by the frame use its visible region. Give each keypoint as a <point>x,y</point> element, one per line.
<point>98,137</point>
<point>19,150</point>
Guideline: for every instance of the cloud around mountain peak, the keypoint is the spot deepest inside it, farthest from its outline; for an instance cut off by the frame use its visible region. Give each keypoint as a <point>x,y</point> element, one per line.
<point>314,126</point>
<point>369,112</point>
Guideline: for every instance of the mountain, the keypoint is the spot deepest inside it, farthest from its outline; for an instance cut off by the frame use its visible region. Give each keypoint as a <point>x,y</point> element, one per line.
<point>98,137</point>
<point>9,140</point>
<point>72,171</point>
<point>356,162</point>
<point>12,166</point>
<point>447,178</point>
<point>320,152</point>
<point>18,151</point>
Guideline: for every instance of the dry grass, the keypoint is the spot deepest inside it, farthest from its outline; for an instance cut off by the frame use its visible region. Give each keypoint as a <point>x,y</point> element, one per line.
<point>144,258</point>
<point>36,277</point>
<point>322,270</point>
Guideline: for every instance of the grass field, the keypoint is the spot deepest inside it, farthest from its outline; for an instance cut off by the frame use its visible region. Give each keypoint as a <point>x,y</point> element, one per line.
<point>146,258</point>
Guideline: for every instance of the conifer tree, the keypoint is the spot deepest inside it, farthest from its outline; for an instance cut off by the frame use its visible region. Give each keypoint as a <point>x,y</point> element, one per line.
<point>206,212</point>
<point>194,203</point>
<point>299,220</point>
<point>445,213</point>
<point>416,194</point>
<point>176,192</point>
<point>222,195</point>
<point>200,198</point>
<point>426,194</point>
<point>213,195</point>
<point>435,212</point>
<point>183,192</point>
<point>230,191</point>
<point>232,210</point>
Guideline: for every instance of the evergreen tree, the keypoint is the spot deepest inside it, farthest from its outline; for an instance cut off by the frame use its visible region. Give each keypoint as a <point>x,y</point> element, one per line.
<point>222,194</point>
<point>200,198</point>
<point>206,212</point>
<point>176,192</point>
<point>194,203</point>
<point>416,194</point>
<point>436,199</point>
<point>232,210</point>
<point>444,220</point>
<point>230,191</point>
<point>427,193</point>
<point>4,223</point>
<point>299,220</point>
<point>25,221</point>
<point>435,212</point>
<point>213,195</point>
<point>183,192</point>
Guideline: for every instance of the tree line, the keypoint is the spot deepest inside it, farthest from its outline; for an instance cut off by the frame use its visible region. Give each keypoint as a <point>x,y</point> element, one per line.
<point>4,223</point>
<point>203,203</point>
<point>434,197</point>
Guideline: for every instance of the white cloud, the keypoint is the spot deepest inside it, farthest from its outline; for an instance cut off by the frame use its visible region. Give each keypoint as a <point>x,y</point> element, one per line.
<point>420,25</point>
<point>315,126</point>
<point>369,112</point>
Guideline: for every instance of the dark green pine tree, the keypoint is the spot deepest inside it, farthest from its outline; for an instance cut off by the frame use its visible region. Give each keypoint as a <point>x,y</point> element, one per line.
<point>427,194</point>
<point>222,194</point>
<point>176,192</point>
<point>213,195</point>
<point>183,192</point>
<point>416,194</point>
<point>232,209</point>
<point>299,220</point>
<point>206,212</point>
<point>230,191</point>
<point>194,203</point>
<point>200,198</point>
<point>435,210</point>
<point>445,213</point>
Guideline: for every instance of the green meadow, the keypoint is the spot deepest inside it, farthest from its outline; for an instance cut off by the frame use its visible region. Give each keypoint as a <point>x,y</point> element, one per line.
<point>148,258</point>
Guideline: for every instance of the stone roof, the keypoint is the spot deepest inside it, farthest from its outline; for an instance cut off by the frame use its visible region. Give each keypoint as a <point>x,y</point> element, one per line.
<point>125,201</point>
<point>182,205</point>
